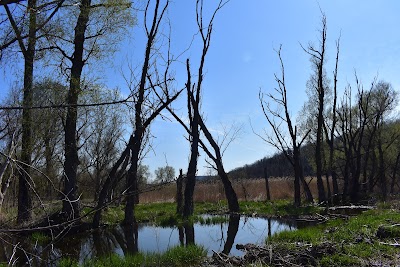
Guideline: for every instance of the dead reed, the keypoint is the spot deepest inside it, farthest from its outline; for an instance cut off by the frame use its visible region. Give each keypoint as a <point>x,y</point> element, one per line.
<point>246,189</point>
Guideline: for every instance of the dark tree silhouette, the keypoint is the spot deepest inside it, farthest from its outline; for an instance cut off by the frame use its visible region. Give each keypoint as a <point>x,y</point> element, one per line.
<point>291,149</point>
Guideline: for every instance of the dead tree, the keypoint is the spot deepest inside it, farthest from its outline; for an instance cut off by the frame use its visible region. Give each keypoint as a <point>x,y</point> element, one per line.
<point>193,93</point>
<point>318,60</point>
<point>291,148</point>
<point>216,157</point>
<point>266,177</point>
<point>151,95</point>
<point>196,122</point>
<point>330,134</point>
<point>180,185</point>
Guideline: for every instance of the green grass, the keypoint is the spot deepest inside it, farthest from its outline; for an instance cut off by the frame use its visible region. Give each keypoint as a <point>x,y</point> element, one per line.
<point>175,257</point>
<point>339,260</point>
<point>355,239</point>
<point>277,208</point>
<point>164,214</point>
<point>40,238</point>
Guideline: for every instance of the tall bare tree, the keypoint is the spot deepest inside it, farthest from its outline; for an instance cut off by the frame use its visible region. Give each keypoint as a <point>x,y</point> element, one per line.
<point>275,118</point>
<point>319,86</point>
<point>196,122</point>
<point>330,131</point>
<point>150,96</point>
<point>193,104</point>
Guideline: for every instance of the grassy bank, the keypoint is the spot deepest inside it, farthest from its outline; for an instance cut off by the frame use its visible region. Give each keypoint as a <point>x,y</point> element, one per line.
<point>368,239</point>
<point>165,213</point>
<point>175,257</point>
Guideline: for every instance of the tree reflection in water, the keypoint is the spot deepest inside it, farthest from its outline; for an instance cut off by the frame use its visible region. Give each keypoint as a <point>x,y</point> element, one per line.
<point>144,238</point>
<point>233,228</point>
<point>186,234</point>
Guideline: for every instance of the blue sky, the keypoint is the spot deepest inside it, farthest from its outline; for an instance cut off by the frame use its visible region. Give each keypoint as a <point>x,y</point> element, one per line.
<point>241,61</point>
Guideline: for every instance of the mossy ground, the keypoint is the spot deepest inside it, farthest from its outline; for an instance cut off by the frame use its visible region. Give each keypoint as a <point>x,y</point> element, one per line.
<point>353,241</point>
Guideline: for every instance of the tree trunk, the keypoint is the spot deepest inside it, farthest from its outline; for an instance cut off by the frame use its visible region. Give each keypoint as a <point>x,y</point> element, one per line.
<point>230,193</point>
<point>70,202</point>
<point>328,188</point>
<point>381,171</point>
<point>297,177</point>
<point>131,177</point>
<point>307,191</point>
<point>371,177</point>
<point>267,184</point>
<point>318,156</point>
<point>365,172</point>
<point>394,174</point>
<point>110,183</point>
<point>179,193</point>
<point>192,169</point>
<point>233,228</point>
<point>49,168</point>
<point>355,189</point>
<point>335,186</point>
<point>346,176</point>
<point>24,195</point>
<point>189,233</point>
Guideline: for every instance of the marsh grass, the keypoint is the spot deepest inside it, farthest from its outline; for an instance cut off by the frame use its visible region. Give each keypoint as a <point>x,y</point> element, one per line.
<point>246,190</point>
<point>355,239</point>
<point>164,214</point>
<point>277,208</point>
<point>179,256</point>
<point>40,238</point>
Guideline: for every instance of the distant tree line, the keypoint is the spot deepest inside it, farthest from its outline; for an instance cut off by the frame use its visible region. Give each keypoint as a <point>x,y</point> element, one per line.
<point>277,166</point>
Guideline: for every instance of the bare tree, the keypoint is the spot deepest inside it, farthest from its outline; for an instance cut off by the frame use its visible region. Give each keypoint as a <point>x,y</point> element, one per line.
<point>216,157</point>
<point>196,122</point>
<point>330,133</point>
<point>193,101</point>
<point>318,85</point>
<point>151,95</point>
<point>275,118</point>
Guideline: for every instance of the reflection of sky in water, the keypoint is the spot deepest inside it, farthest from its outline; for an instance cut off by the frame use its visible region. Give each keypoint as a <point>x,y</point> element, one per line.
<point>212,237</point>
<point>102,242</point>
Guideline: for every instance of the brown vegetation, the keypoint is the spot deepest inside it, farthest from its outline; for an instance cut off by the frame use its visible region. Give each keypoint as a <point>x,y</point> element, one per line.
<point>246,189</point>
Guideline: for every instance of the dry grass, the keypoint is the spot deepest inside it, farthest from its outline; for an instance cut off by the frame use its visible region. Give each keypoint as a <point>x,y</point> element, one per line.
<point>252,189</point>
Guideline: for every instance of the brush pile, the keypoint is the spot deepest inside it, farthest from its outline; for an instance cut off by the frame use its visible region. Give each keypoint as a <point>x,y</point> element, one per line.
<point>300,254</point>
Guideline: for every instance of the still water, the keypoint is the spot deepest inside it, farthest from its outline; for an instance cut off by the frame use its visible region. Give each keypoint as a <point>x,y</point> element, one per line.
<point>221,237</point>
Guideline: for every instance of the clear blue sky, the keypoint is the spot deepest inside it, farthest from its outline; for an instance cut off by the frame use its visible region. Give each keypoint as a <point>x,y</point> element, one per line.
<point>241,61</point>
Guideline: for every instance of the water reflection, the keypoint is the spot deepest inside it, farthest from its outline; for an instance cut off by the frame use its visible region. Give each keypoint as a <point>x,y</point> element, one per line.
<point>233,228</point>
<point>186,234</point>
<point>144,238</point>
